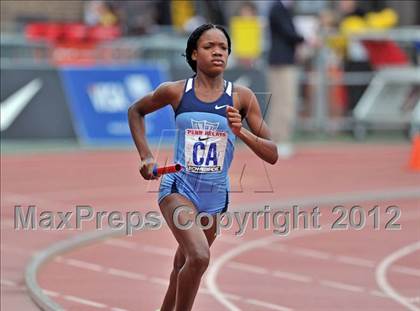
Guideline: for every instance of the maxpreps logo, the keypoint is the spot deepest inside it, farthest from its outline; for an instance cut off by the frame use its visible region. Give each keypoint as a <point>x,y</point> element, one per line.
<point>117,96</point>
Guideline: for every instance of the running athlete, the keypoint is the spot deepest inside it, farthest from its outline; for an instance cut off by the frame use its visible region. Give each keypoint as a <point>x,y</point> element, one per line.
<point>208,115</point>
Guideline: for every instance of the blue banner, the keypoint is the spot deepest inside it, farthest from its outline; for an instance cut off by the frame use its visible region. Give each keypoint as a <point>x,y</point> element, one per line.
<point>99,98</point>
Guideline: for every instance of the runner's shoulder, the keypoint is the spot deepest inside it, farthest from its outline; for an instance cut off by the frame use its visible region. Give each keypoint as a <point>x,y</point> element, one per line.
<point>244,96</point>
<point>171,90</point>
<point>172,87</point>
<point>242,90</point>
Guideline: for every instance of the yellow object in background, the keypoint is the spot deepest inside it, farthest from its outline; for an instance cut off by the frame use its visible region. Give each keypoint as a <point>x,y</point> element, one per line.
<point>181,12</point>
<point>338,43</point>
<point>384,19</point>
<point>352,25</point>
<point>246,34</point>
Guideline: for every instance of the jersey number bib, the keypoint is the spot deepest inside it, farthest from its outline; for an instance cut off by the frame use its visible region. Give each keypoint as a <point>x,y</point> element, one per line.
<point>205,150</point>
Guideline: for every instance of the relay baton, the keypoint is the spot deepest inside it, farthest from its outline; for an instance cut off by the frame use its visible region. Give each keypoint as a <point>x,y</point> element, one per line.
<point>166,169</point>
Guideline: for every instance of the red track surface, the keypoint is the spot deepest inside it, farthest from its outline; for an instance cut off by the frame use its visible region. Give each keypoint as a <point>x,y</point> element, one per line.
<point>306,270</point>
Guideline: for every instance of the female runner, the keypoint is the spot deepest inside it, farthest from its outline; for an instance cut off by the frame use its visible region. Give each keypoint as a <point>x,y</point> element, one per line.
<point>208,115</point>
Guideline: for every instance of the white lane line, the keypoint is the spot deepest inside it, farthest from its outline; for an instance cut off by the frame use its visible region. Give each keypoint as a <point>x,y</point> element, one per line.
<point>378,293</point>
<point>84,265</point>
<point>350,260</point>
<point>165,282</point>
<point>343,286</point>
<point>8,283</point>
<point>316,254</point>
<point>382,269</point>
<point>121,243</point>
<point>203,290</point>
<point>311,253</point>
<point>164,251</point>
<point>302,278</point>
<point>159,250</point>
<point>248,268</point>
<point>222,260</point>
<point>267,305</point>
<point>50,293</point>
<point>112,271</point>
<point>230,296</point>
<point>159,281</point>
<point>82,301</point>
<point>406,270</point>
<point>356,261</point>
<point>126,274</point>
<point>299,277</point>
<point>86,302</point>
<point>292,276</point>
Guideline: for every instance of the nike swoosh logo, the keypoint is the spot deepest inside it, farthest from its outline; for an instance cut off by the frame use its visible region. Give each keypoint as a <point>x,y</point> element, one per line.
<point>203,138</point>
<point>12,106</point>
<point>219,107</point>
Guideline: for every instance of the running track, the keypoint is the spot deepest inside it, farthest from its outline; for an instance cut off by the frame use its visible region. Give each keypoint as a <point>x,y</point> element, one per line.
<point>323,269</point>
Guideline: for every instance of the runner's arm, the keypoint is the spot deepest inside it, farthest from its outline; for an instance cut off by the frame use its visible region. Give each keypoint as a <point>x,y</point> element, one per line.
<point>166,93</point>
<point>258,139</point>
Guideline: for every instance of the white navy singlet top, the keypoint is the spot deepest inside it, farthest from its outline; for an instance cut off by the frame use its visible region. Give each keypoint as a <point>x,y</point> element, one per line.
<point>204,142</point>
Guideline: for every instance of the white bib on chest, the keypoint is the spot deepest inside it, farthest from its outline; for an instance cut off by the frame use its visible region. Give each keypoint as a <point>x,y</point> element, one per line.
<point>205,150</point>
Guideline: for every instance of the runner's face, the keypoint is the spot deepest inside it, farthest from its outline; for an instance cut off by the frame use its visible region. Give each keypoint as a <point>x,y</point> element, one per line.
<point>212,52</point>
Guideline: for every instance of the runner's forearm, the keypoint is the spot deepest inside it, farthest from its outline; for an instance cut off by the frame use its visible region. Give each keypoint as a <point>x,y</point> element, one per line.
<point>138,132</point>
<point>263,148</point>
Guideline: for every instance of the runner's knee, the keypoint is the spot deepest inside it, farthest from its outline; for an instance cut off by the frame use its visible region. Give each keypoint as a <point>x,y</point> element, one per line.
<point>179,261</point>
<point>199,260</point>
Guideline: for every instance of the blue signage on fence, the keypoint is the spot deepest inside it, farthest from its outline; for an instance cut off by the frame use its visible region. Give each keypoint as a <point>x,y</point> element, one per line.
<point>99,98</point>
